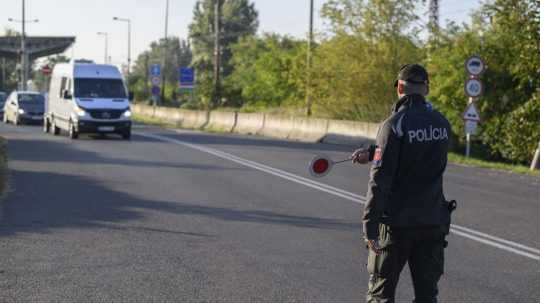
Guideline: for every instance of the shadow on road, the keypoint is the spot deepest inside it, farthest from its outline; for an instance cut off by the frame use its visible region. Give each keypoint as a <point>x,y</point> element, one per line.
<point>42,202</point>
<point>54,151</point>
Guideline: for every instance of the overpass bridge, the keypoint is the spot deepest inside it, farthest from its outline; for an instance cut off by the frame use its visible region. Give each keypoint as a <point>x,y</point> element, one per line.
<point>28,49</point>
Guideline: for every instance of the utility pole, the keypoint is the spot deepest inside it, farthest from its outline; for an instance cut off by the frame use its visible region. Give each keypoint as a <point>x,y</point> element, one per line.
<point>24,78</point>
<point>4,73</point>
<point>165,52</point>
<point>106,58</point>
<point>147,68</point>
<point>129,42</point>
<point>217,54</point>
<point>433,17</point>
<point>309,61</point>
<point>24,55</point>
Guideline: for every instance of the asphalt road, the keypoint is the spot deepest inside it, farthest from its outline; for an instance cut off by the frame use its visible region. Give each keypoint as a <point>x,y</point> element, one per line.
<point>192,217</point>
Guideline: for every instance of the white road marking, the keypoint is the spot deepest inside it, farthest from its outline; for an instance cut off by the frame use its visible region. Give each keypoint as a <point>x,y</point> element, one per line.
<point>507,245</point>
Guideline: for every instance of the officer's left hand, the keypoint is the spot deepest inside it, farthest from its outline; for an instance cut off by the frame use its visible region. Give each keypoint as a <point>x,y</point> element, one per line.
<point>360,156</point>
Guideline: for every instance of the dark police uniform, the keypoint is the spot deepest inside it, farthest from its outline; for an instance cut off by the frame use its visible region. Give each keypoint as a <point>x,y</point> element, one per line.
<point>406,210</point>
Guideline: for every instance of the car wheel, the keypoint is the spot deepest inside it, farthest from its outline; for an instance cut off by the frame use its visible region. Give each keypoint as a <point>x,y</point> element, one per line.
<point>46,126</point>
<point>126,135</point>
<point>55,129</point>
<point>73,134</point>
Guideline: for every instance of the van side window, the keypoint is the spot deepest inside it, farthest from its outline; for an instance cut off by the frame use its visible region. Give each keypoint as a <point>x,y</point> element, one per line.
<point>62,87</point>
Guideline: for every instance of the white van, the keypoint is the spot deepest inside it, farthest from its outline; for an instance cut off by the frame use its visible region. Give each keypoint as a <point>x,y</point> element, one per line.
<point>87,98</point>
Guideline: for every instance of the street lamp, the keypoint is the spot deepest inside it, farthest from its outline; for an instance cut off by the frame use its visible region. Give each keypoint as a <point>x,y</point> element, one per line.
<point>106,45</point>
<point>129,40</point>
<point>24,55</point>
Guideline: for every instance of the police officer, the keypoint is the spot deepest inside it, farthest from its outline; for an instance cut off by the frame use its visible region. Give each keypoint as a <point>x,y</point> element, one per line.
<point>406,218</point>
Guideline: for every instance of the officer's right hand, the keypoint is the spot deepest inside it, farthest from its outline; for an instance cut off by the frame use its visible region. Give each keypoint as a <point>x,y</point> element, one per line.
<point>374,246</point>
<point>360,156</point>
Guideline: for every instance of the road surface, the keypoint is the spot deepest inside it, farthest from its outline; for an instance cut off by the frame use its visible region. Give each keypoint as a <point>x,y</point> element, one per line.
<point>180,216</point>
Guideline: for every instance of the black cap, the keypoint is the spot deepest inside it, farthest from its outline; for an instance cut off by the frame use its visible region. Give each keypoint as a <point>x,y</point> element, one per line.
<point>413,73</point>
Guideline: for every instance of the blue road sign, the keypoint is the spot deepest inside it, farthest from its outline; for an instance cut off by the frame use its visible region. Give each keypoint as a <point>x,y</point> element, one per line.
<point>156,90</point>
<point>187,77</point>
<point>155,70</point>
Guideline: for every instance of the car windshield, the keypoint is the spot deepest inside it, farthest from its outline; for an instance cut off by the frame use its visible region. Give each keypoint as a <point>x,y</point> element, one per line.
<point>100,88</point>
<point>31,99</point>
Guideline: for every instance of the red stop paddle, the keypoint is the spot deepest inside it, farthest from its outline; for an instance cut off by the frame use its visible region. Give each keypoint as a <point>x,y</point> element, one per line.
<point>320,166</point>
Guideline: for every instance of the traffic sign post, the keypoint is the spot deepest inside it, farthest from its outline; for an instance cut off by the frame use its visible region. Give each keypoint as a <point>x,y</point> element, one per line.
<point>475,66</point>
<point>155,78</point>
<point>155,70</point>
<point>474,88</point>
<point>471,118</point>
<point>186,77</point>
<point>46,70</point>
<point>156,81</point>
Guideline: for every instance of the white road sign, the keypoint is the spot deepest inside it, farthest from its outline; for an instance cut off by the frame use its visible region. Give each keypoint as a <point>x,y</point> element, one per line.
<point>156,81</point>
<point>471,114</point>
<point>475,66</point>
<point>474,88</point>
<point>471,127</point>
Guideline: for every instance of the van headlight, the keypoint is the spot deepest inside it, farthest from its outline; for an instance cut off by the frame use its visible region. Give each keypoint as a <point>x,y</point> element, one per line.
<point>21,111</point>
<point>80,112</point>
<point>127,113</point>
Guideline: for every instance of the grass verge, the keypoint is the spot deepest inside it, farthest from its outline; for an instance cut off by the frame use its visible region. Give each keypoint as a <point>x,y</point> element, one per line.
<point>452,157</point>
<point>520,169</point>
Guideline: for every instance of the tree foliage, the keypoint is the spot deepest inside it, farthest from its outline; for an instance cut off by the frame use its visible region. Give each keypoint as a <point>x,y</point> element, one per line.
<point>238,19</point>
<point>269,71</point>
<point>356,65</point>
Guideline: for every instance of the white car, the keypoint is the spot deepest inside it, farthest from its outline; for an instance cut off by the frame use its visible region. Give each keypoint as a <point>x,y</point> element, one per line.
<point>24,107</point>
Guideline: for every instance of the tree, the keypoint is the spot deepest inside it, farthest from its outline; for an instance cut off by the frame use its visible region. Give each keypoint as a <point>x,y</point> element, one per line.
<point>267,70</point>
<point>355,66</point>
<point>239,18</point>
<point>8,67</point>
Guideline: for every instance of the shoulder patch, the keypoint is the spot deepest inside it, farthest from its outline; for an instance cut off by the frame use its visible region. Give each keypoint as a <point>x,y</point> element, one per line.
<point>377,157</point>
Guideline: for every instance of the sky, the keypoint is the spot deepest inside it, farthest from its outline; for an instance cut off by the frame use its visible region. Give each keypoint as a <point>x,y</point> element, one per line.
<point>84,18</point>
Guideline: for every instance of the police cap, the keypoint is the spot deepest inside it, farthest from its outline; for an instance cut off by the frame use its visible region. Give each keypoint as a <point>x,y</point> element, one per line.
<point>413,73</point>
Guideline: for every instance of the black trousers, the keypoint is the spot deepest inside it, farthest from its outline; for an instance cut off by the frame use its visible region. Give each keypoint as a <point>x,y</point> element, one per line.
<point>422,249</point>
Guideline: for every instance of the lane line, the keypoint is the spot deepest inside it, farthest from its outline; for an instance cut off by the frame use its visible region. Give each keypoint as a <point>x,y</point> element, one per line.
<point>507,245</point>
<point>495,244</point>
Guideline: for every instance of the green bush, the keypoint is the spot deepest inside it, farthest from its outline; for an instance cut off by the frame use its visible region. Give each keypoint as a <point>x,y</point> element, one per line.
<point>521,131</point>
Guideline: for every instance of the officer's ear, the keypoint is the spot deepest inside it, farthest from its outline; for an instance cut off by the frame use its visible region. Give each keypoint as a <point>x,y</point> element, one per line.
<point>427,89</point>
<point>401,87</point>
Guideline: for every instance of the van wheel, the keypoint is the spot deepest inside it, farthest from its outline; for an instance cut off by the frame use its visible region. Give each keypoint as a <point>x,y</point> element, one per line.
<point>73,134</point>
<point>46,126</point>
<point>55,129</point>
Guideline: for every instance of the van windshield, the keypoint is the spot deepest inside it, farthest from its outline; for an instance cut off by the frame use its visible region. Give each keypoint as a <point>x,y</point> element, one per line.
<point>100,88</point>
